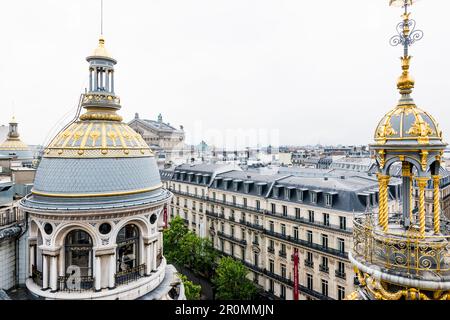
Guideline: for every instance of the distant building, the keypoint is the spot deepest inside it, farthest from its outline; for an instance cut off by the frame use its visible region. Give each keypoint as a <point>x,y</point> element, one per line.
<point>359,164</point>
<point>163,139</point>
<point>14,147</point>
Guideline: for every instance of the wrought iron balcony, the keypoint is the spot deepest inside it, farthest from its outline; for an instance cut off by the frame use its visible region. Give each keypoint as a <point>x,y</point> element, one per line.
<point>271,249</point>
<point>323,268</point>
<point>212,214</point>
<point>70,283</point>
<point>282,254</point>
<point>241,242</point>
<point>340,274</point>
<point>36,275</point>
<point>308,222</point>
<point>309,263</point>
<point>400,251</point>
<point>307,244</point>
<point>10,215</point>
<point>130,275</point>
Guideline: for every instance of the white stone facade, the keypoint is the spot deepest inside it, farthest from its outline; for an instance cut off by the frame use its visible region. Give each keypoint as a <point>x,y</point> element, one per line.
<point>48,270</point>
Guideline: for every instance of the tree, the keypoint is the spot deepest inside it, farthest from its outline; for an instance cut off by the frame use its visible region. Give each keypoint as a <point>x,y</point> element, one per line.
<point>185,248</point>
<point>192,291</point>
<point>173,236</point>
<point>231,281</point>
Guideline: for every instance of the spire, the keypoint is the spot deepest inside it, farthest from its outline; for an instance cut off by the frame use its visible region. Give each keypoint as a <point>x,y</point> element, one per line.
<point>100,100</point>
<point>407,35</point>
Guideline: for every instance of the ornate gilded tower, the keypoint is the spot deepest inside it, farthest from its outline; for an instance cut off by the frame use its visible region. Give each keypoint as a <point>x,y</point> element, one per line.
<point>404,255</point>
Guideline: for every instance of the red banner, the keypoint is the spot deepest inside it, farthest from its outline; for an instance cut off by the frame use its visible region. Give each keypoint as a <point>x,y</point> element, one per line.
<point>165,216</point>
<point>295,274</point>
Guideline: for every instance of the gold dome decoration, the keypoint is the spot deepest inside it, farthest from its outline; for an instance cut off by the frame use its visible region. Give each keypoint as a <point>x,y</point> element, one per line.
<point>407,122</point>
<point>13,145</point>
<point>98,139</point>
<point>101,51</point>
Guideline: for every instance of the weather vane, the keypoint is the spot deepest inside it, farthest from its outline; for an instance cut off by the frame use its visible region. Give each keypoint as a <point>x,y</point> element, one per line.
<point>407,34</point>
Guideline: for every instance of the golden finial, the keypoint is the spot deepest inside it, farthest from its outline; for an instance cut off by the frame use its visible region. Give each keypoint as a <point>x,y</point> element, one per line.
<point>405,83</point>
<point>100,51</point>
<point>406,36</point>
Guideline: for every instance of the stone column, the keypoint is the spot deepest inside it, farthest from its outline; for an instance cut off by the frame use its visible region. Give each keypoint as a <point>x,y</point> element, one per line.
<point>54,273</point>
<point>107,75</point>
<point>112,81</point>
<point>436,204</point>
<point>44,272</point>
<point>148,256</point>
<point>383,214</point>
<point>31,260</point>
<point>154,253</point>
<point>98,273</point>
<point>422,183</point>
<point>95,80</point>
<point>90,79</point>
<point>112,271</point>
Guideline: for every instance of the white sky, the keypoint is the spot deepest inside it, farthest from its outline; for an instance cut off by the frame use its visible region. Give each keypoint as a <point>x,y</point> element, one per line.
<point>302,71</point>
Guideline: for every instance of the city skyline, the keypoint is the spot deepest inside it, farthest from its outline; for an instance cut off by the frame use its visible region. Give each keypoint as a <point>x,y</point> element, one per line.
<point>275,67</point>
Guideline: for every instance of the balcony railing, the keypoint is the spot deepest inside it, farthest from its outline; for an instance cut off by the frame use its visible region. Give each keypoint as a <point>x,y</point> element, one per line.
<point>36,275</point>
<point>340,274</point>
<point>212,214</point>
<point>271,249</point>
<point>400,252</point>
<point>232,238</point>
<point>10,215</point>
<point>282,254</point>
<point>309,263</point>
<point>70,283</point>
<point>307,222</point>
<point>307,244</point>
<point>262,211</point>
<point>323,268</point>
<point>130,275</point>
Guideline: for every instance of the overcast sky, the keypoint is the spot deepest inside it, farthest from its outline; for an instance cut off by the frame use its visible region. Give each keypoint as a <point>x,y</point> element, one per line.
<point>303,72</point>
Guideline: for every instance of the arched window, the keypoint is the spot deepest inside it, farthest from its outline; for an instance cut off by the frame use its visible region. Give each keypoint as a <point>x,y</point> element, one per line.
<point>127,248</point>
<point>78,252</point>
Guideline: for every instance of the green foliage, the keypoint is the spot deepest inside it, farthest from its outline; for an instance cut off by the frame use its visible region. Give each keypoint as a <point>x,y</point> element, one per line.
<point>231,281</point>
<point>185,248</point>
<point>191,290</point>
<point>173,236</point>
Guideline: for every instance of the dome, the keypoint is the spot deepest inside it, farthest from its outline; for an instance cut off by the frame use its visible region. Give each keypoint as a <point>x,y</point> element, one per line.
<point>97,160</point>
<point>13,146</point>
<point>407,124</point>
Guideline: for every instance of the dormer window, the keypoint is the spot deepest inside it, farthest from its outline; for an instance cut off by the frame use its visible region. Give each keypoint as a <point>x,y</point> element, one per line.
<point>287,193</point>
<point>300,194</point>
<point>247,185</point>
<point>329,198</point>
<point>275,192</point>
<point>313,197</point>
